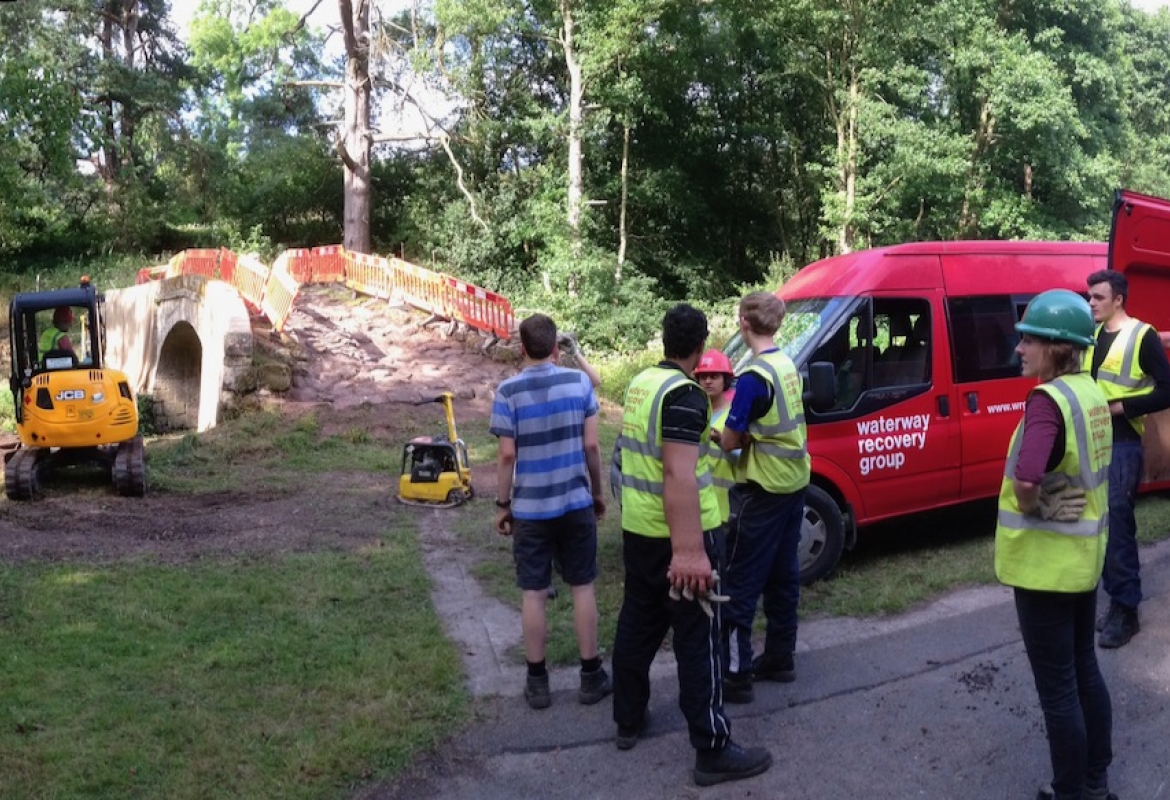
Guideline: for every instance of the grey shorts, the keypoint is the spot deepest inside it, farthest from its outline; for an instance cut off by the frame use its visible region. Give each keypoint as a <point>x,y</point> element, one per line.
<point>569,541</point>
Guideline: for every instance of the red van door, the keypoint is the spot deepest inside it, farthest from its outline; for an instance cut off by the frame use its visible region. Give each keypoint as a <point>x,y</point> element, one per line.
<point>894,432</point>
<point>1139,246</point>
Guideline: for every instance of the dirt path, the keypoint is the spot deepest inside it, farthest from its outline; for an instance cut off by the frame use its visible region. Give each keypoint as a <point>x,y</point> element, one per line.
<point>362,361</point>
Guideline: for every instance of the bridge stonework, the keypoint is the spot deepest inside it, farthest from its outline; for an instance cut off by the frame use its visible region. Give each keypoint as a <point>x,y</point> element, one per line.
<point>186,342</point>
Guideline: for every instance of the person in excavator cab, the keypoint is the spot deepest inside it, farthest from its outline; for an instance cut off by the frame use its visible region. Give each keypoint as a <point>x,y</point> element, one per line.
<point>56,336</point>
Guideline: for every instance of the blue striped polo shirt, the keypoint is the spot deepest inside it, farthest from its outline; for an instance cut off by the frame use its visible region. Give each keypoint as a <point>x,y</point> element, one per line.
<point>544,410</point>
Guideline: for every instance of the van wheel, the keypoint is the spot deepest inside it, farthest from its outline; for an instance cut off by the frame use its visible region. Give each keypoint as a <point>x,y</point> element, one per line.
<point>822,535</point>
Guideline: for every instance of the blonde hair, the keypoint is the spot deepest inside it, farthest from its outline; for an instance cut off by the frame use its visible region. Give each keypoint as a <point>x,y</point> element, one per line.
<point>763,312</point>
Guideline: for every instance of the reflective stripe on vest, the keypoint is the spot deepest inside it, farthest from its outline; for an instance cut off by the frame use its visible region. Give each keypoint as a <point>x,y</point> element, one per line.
<point>1034,553</point>
<point>640,443</point>
<point>777,458</point>
<point>722,464</point>
<point>1120,374</point>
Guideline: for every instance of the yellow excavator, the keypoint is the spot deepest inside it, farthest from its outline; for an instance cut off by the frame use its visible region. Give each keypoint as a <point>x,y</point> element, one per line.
<point>70,407</point>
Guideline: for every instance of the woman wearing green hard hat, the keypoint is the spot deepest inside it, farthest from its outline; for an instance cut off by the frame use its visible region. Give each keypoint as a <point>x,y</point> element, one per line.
<point>1051,535</point>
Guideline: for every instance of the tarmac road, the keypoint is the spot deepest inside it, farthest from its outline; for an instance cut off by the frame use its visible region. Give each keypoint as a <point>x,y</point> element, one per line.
<point>934,704</point>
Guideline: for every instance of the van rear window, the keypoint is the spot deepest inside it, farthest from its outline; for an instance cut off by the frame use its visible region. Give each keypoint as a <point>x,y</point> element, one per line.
<point>983,330</point>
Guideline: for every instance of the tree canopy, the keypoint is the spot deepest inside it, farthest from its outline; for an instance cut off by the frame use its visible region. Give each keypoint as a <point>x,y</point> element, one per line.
<point>593,157</point>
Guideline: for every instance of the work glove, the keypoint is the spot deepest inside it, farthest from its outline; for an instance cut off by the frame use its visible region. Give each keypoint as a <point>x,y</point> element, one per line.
<point>1059,501</point>
<point>705,598</point>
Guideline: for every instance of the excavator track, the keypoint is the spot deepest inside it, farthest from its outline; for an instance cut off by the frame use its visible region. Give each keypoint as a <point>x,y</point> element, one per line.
<point>22,474</point>
<point>129,469</point>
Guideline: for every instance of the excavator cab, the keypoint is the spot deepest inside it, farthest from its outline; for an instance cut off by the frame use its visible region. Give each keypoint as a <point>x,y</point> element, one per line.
<point>435,469</point>
<point>70,407</point>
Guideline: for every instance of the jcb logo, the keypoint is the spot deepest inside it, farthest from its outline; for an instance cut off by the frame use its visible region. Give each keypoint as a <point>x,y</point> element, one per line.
<point>71,394</point>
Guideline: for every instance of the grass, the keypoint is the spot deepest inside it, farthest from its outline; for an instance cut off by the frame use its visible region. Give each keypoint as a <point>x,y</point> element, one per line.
<point>288,675</point>
<point>293,677</point>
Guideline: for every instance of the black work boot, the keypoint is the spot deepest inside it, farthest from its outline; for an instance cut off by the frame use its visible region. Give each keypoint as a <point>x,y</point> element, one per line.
<point>1120,628</point>
<point>1106,615</point>
<point>737,688</point>
<point>774,667</point>
<point>595,686</point>
<point>729,763</point>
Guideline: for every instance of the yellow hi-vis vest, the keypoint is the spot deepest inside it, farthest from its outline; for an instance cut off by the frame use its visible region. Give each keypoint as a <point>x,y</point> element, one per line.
<point>640,442</point>
<point>1120,375</point>
<point>1035,553</point>
<point>778,458</point>
<point>49,339</point>
<point>722,464</point>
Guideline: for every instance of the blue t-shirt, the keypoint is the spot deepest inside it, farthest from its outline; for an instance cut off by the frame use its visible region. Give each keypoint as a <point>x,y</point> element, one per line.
<point>544,410</point>
<point>753,398</point>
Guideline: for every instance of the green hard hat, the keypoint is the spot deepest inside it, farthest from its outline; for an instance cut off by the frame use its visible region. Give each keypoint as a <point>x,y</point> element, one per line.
<point>1060,315</point>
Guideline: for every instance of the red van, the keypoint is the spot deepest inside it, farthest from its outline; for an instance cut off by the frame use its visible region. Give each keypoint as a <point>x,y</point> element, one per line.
<point>925,386</point>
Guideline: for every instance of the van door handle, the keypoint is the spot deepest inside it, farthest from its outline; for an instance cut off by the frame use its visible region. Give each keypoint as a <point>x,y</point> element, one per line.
<point>944,406</point>
<point>972,402</point>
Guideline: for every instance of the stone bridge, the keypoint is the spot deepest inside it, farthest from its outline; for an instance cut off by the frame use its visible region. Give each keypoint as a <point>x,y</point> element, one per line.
<point>185,341</point>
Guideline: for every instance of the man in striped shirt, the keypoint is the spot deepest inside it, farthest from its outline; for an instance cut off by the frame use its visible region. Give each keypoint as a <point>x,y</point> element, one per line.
<point>548,472</point>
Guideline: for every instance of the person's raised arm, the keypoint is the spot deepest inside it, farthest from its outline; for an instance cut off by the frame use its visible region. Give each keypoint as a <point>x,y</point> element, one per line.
<point>592,444</point>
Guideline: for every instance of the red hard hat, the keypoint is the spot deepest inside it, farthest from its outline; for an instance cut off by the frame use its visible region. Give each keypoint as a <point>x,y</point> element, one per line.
<point>714,361</point>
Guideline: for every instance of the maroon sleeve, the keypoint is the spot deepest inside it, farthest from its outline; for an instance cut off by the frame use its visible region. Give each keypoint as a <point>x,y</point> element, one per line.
<point>1043,438</point>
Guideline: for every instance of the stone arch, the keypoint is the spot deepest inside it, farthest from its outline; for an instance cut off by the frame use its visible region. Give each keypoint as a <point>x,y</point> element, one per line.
<point>178,379</point>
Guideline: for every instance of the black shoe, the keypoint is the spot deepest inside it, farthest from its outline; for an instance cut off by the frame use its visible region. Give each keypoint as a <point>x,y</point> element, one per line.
<point>1106,615</point>
<point>729,763</point>
<point>1120,628</point>
<point>1045,793</point>
<point>536,691</point>
<point>774,667</point>
<point>737,688</point>
<point>628,735</point>
<point>595,687</point>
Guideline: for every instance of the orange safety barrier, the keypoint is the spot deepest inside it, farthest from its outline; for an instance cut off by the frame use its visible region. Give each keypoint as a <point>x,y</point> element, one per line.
<point>227,264</point>
<point>148,274</point>
<point>201,262</point>
<point>273,291</point>
<point>280,290</point>
<point>478,307</point>
<point>298,263</point>
<point>328,264</point>
<point>368,274</point>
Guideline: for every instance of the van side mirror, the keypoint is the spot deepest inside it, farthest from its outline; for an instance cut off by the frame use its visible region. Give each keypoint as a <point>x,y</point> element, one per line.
<point>820,387</point>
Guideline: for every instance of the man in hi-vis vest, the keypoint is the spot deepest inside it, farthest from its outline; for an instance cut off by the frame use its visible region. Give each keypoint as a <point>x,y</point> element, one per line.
<point>672,543</point>
<point>1130,366</point>
<point>767,503</point>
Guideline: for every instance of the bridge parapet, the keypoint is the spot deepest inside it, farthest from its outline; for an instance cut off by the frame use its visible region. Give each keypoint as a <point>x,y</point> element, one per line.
<point>186,341</point>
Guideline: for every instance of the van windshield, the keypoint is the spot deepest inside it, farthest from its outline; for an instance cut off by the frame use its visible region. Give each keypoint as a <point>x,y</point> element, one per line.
<point>801,330</point>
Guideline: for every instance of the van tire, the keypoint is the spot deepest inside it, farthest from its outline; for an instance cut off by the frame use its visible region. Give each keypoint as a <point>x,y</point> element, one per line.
<point>822,535</point>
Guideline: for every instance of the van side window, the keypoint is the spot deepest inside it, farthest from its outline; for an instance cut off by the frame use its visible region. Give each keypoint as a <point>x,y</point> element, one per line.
<point>884,345</point>
<point>984,336</point>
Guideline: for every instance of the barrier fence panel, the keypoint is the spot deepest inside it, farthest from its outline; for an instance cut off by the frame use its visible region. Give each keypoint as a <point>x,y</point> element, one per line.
<point>201,262</point>
<point>328,264</point>
<point>367,274</point>
<point>478,307</point>
<point>249,278</point>
<point>273,291</point>
<point>298,263</point>
<point>280,290</point>
<point>418,286</point>
<point>227,264</point>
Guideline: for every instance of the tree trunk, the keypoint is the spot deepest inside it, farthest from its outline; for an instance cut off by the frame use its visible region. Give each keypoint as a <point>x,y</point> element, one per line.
<point>355,141</point>
<point>576,95</point>
<point>984,139</point>
<point>623,236</point>
<point>847,146</point>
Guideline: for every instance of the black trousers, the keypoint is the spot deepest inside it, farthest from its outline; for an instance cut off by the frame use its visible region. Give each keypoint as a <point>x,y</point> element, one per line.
<point>647,613</point>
